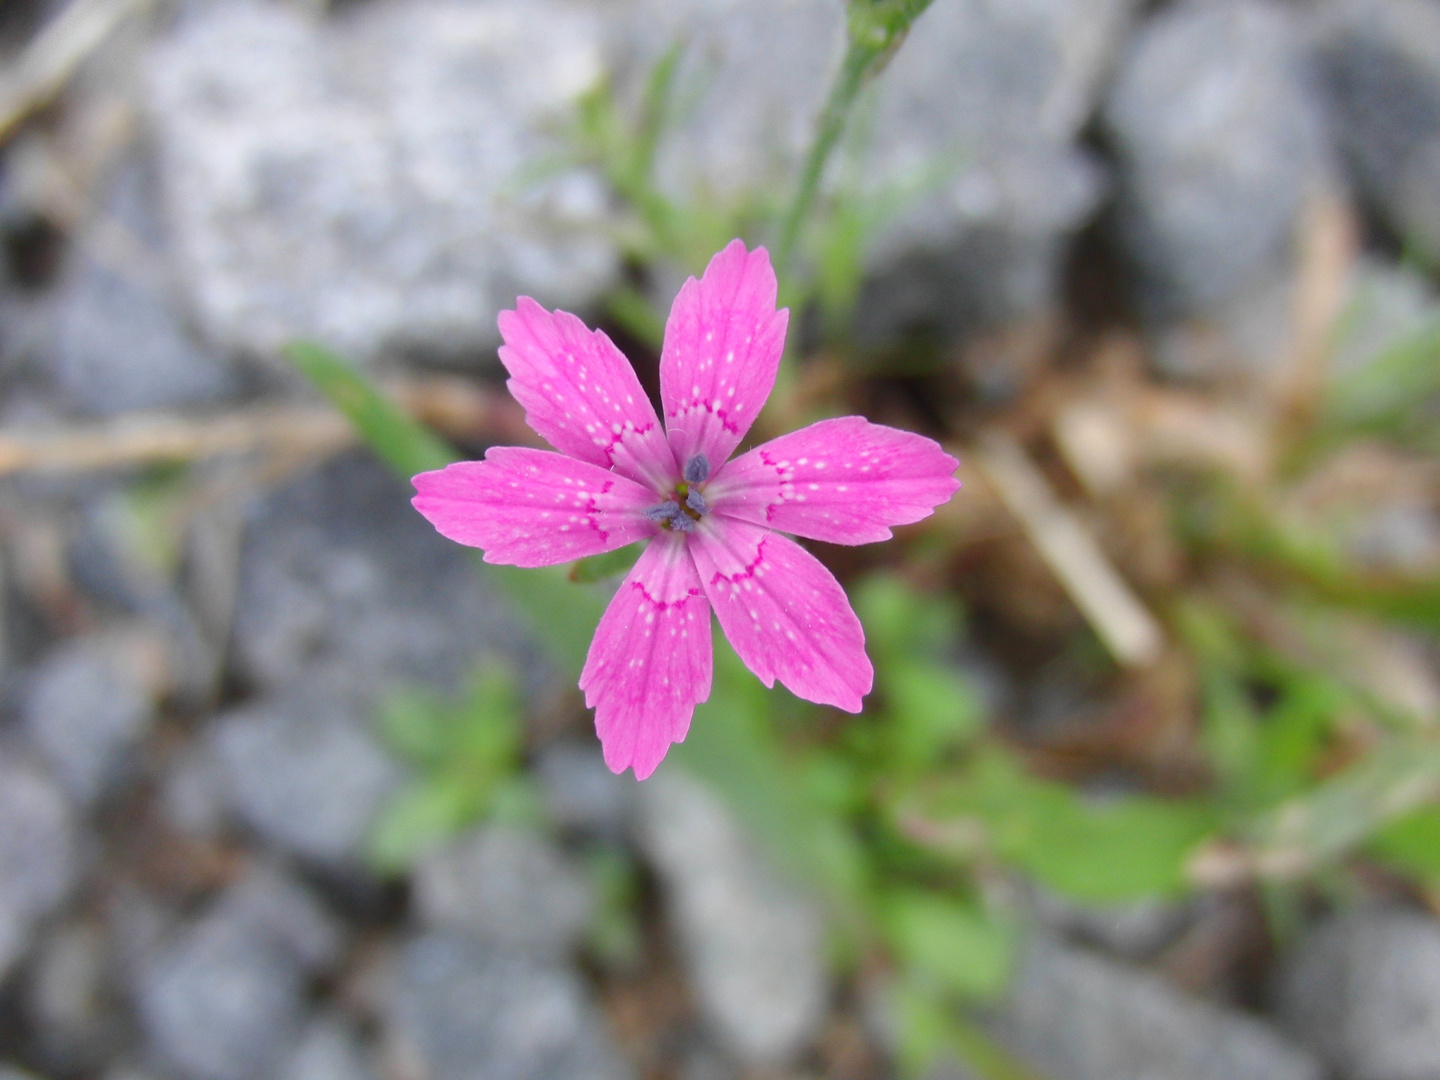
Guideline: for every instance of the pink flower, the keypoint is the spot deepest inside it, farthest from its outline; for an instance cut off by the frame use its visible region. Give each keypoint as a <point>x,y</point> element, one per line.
<point>710,522</point>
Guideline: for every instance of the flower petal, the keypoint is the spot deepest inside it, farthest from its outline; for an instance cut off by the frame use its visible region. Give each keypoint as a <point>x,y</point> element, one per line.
<point>650,662</point>
<point>534,507</point>
<point>581,394</point>
<point>722,348</point>
<point>783,611</point>
<point>844,481</point>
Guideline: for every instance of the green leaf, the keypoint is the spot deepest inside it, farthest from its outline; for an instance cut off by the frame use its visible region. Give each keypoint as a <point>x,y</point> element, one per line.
<point>406,446</point>
<point>930,709</point>
<point>614,936</point>
<point>930,1030</point>
<point>1294,733</point>
<point>1412,844</point>
<point>486,726</point>
<point>636,314</point>
<point>1392,781</point>
<point>414,724</point>
<point>1126,847</point>
<point>949,944</point>
<point>1230,735</point>
<point>612,564</point>
<point>922,1027</point>
<point>1384,395</point>
<point>419,820</point>
<point>513,800</point>
<point>899,622</point>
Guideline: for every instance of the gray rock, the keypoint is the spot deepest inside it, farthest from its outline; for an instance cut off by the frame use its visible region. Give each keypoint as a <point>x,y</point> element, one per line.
<point>122,568</point>
<point>505,884</point>
<point>222,1002</point>
<point>1379,65</point>
<point>580,792</point>
<point>1074,1016</point>
<point>464,1010</point>
<point>305,774</point>
<point>119,345</point>
<point>346,589</point>
<point>752,77</point>
<point>974,128</point>
<point>117,340</point>
<point>1401,536</point>
<point>38,853</point>
<point>706,1063</point>
<point>369,179</point>
<point>74,1023</point>
<point>1135,930</point>
<point>751,943</point>
<point>137,926</point>
<point>1221,143</point>
<point>1363,990</point>
<point>88,707</point>
<point>192,791</point>
<point>267,904</point>
<point>328,1050</point>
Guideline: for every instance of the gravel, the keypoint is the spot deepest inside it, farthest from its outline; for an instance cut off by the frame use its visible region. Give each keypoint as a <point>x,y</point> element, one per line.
<point>966,149</point>
<point>1221,142</point>
<point>465,1010</point>
<point>329,1049</point>
<point>581,793</point>
<point>269,904</point>
<point>75,1025</point>
<point>87,709</point>
<point>223,1002</point>
<point>752,945</point>
<point>975,137</point>
<point>119,346</point>
<point>305,774</point>
<point>1363,990</point>
<point>1379,66</point>
<point>39,849</point>
<point>1135,930</point>
<point>345,589</point>
<point>1075,1016</point>
<point>398,209</point>
<point>507,885</point>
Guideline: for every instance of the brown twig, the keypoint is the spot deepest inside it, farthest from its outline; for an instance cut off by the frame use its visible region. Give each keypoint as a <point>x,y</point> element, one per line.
<point>50,60</point>
<point>462,410</point>
<point>1123,623</point>
<point>1327,251</point>
<point>139,439</point>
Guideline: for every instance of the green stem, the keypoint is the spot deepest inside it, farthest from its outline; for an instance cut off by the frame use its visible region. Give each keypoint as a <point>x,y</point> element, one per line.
<point>848,83</point>
<point>876,29</point>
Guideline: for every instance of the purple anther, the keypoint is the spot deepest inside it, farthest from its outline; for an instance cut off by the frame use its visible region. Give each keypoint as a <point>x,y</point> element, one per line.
<point>697,469</point>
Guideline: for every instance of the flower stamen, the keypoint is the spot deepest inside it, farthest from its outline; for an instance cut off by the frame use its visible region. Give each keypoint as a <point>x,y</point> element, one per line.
<point>697,469</point>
